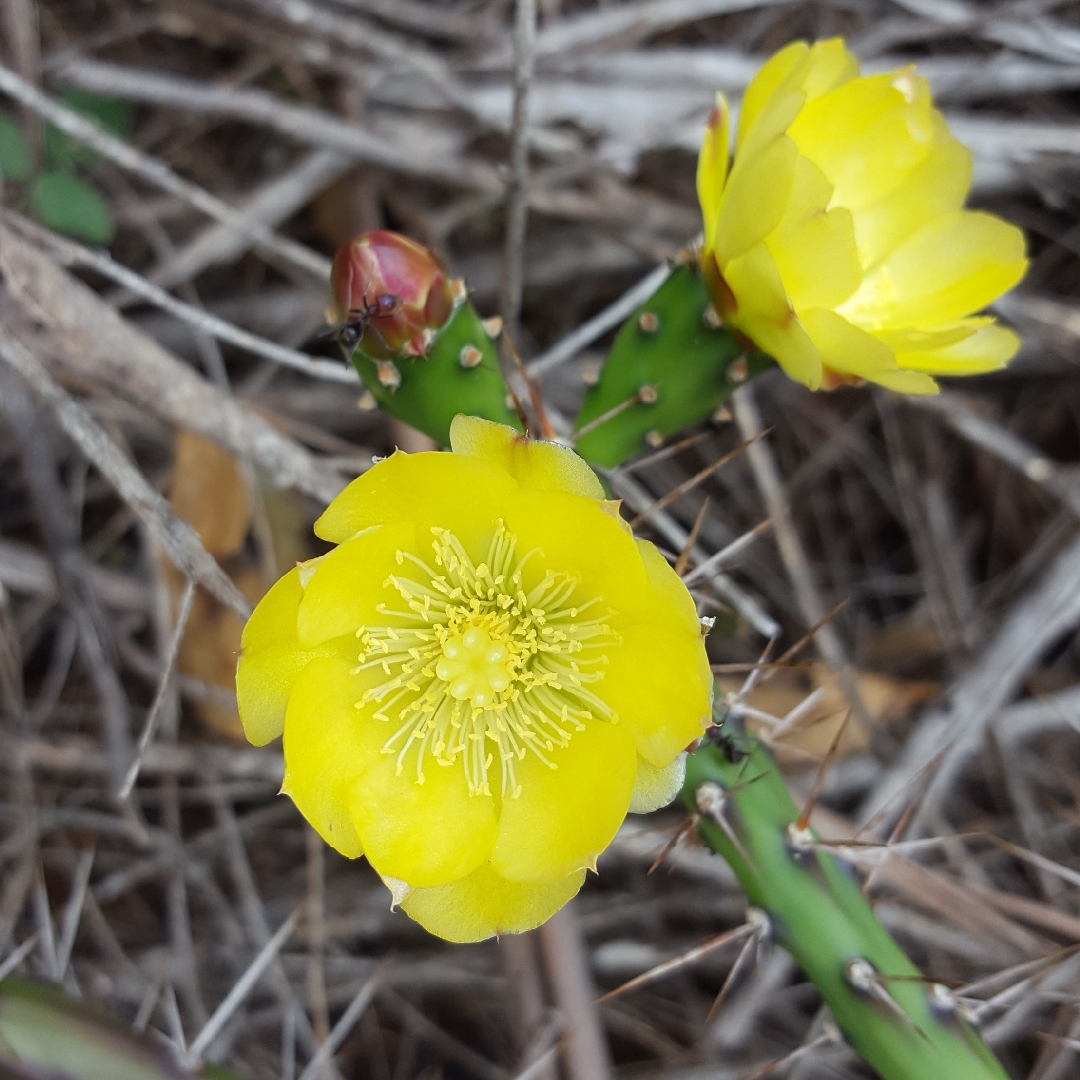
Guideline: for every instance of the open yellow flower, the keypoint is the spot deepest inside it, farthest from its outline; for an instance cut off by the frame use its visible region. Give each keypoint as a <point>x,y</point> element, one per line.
<point>838,242</point>
<point>480,679</point>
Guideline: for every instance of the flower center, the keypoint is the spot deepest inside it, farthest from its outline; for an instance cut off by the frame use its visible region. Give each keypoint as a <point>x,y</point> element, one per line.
<point>475,667</point>
<point>478,667</point>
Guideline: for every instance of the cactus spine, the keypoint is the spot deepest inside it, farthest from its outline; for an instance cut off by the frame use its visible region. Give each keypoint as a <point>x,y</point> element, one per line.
<point>899,1024</point>
<point>671,366</point>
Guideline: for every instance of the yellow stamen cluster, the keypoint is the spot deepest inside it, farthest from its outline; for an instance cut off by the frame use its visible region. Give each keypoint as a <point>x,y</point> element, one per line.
<point>478,665</point>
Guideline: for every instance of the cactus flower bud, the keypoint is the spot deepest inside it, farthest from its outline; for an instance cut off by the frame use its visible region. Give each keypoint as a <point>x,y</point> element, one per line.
<point>393,291</point>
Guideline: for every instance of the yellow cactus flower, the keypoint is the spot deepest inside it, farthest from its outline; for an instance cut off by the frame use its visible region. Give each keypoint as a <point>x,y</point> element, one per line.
<point>479,680</point>
<point>837,242</point>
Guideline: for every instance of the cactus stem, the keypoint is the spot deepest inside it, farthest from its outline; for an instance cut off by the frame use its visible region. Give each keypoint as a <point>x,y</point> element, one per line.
<point>900,1024</point>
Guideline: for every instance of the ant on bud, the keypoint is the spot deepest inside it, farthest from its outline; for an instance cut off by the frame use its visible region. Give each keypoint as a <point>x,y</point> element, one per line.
<point>349,333</point>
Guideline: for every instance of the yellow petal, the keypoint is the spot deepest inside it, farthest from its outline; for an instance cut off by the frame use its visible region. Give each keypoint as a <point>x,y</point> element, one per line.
<point>423,834</point>
<point>775,118</point>
<point>829,66</point>
<point>660,685</point>
<point>906,382</point>
<point>327,744</point>
<point>350,583</point>
<point>566,815</point>
<point>818,260</point>
<point>929,339</point>
<point>576,536</point>
<point>655,788</point>
<point>271,659</point>
<point>712,166</point>
<point>824,67</point>
<point>428,489</point>
<point>867,135</point>
<point>757,195</point>
<point>484,904</point>
<point>536,466</point>
<point>811,194</point>
<point>765,315</point>
<point>989,348</point>
<point>846,348</point>
<point>671,600</point>
<point>764,85</point>
<point>950,268</point>
<point>934,188</point>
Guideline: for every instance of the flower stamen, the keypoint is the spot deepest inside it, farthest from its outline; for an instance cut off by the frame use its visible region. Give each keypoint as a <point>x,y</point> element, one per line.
<point>478,662</point>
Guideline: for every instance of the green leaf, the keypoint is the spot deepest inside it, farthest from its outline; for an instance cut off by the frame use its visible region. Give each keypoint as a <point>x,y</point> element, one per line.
<point>113,114</point>
<point>70,205</point>
<point>16,162</point>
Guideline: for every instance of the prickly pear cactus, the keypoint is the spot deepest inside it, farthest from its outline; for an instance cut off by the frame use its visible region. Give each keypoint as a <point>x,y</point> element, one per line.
<point>671,366</point>
<point>903,1026</point>
<point>460,374</point>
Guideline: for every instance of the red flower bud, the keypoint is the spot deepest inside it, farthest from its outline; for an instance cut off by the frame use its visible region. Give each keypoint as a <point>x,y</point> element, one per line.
<point>392,290</point>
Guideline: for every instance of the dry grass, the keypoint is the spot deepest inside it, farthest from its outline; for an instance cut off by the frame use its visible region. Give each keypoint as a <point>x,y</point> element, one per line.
<point>266,133</point>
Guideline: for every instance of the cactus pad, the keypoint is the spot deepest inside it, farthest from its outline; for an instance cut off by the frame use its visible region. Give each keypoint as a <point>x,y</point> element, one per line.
<point>674,358</point>
<point>460,374</point>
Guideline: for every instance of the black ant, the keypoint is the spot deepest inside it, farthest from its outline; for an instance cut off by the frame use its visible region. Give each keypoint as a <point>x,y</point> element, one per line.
<point>349,333</point>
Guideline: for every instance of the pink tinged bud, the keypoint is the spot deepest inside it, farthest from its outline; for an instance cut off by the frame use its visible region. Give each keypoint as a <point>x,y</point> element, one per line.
<point>394,290</point>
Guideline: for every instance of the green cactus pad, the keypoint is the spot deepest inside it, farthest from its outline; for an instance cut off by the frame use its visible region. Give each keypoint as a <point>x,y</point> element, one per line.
<point>819,914</point>
<point>44,1032</point>
<point>435,388</point>
<point>667,344</point>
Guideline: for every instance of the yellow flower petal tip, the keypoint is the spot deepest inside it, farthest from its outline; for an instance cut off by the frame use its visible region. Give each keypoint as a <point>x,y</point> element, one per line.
<point>479,681</point>
<point>542,466</point>
<point>844,204</point>
<point>485,905</point>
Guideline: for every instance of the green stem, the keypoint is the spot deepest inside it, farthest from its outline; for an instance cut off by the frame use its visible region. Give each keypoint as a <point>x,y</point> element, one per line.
<point>900,1024</point>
